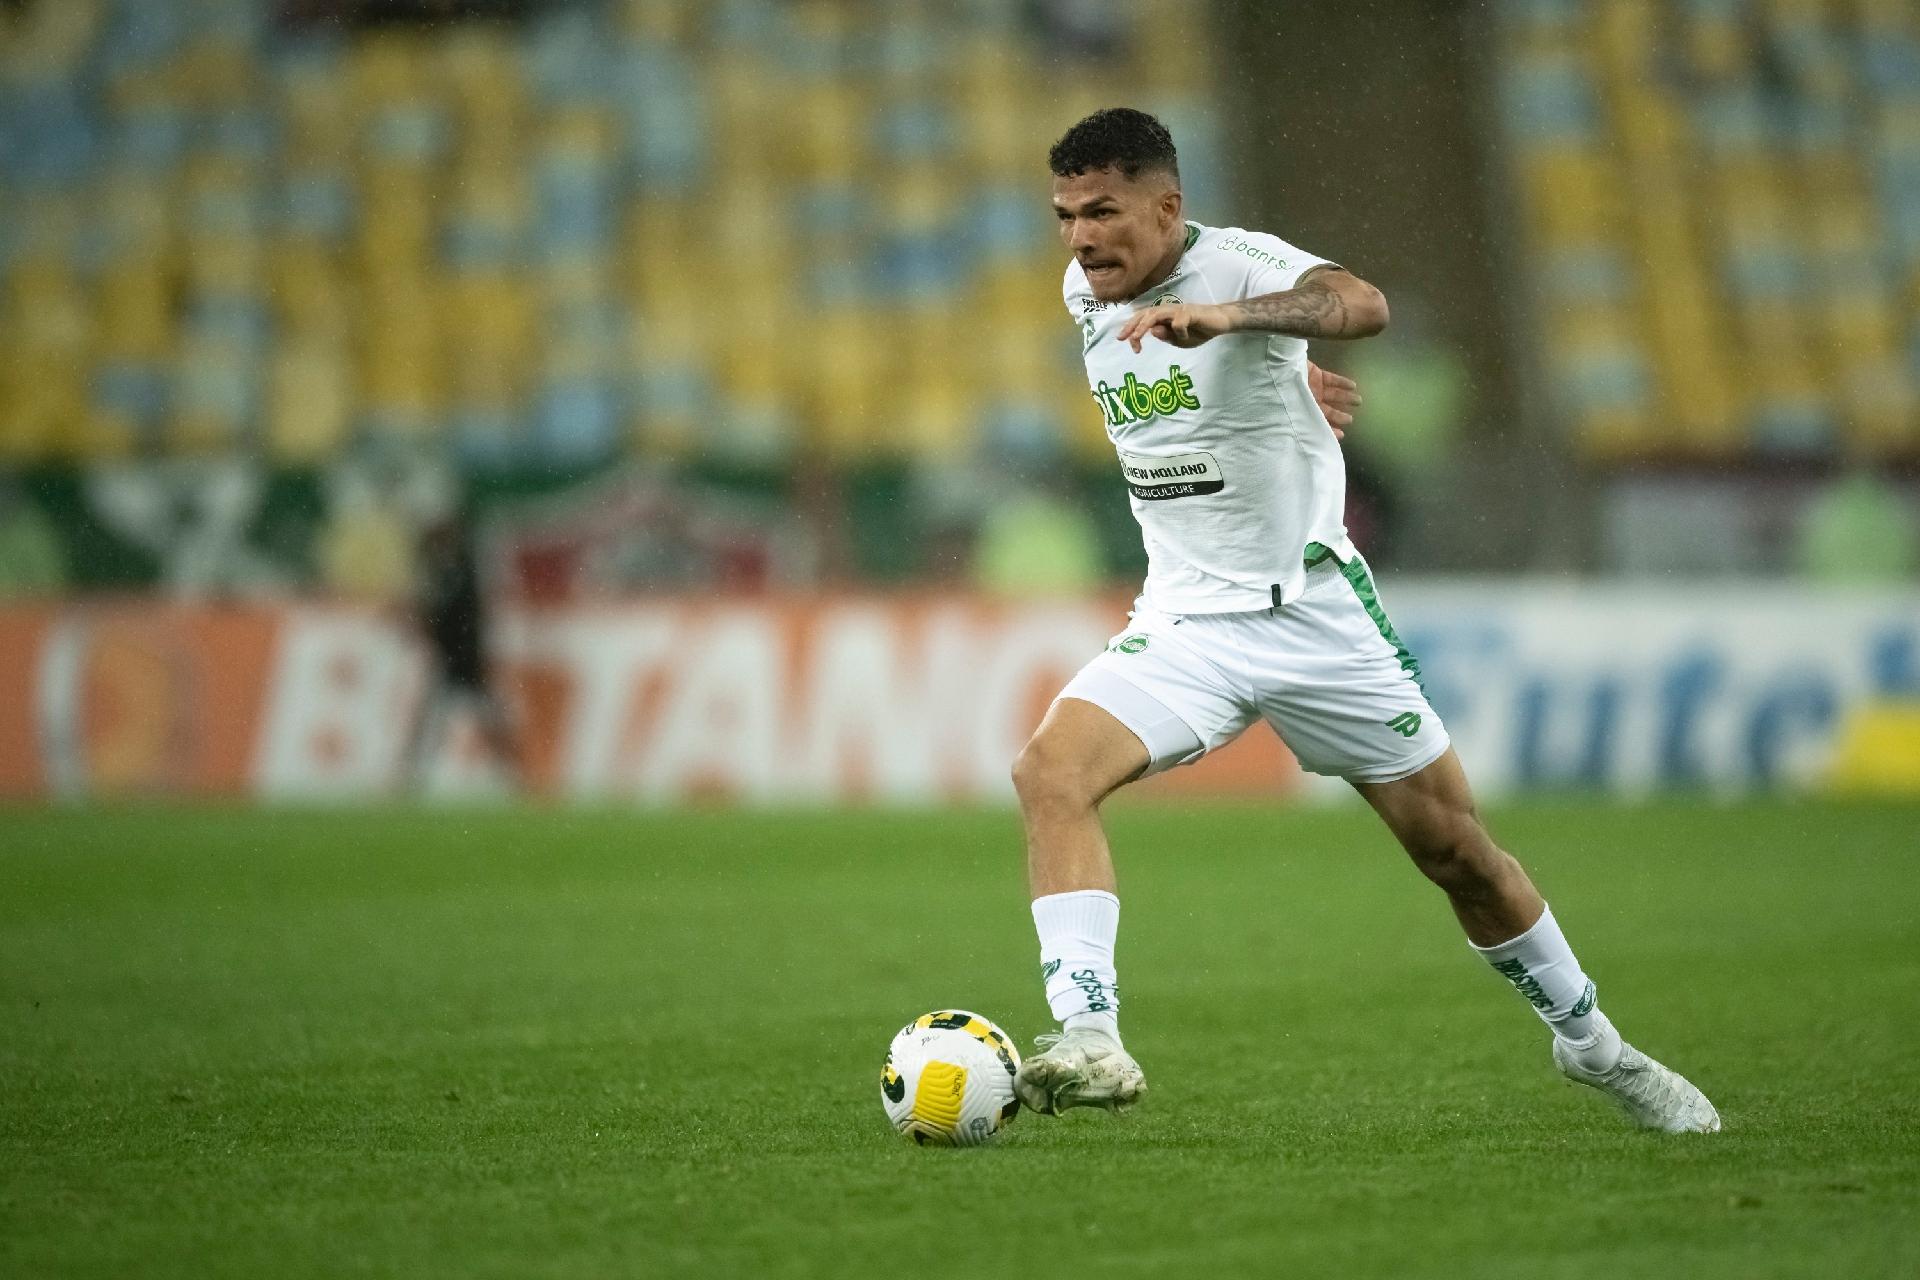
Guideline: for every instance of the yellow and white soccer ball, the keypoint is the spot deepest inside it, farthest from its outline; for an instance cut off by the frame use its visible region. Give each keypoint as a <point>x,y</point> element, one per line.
<point>948,1080</point>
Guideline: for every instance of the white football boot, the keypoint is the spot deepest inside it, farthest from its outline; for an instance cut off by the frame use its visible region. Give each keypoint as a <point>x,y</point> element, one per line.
<point>1652,1095</point>
<point>1080,1068</point>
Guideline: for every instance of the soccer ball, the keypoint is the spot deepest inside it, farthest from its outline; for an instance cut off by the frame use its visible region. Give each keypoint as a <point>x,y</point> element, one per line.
<point>948,1081</point>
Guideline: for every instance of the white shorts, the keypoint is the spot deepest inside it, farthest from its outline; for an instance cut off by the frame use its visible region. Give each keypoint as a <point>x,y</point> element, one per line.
<point>1326,671</point>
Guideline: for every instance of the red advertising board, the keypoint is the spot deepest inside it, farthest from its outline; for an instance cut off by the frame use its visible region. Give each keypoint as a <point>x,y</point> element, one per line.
<point>804,701</point>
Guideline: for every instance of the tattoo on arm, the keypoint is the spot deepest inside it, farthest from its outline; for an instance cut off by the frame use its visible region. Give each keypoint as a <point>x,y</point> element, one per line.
<point>1308,310</point>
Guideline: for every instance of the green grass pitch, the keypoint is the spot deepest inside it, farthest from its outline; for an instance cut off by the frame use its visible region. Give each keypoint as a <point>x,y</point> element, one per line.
<point>537,1043</point>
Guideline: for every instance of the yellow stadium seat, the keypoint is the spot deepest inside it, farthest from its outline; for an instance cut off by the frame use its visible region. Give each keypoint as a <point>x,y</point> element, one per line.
<point>399,357</point>
<point>217,72</point>
<point>312,296</point>
<point>317,121</point>
<point>388,66</point>
<point>1165,51</point>
<point>46,402</point>
<point>1717,46</point>
<point>225,266</point>
<point>366,553</point>
<point>49,39</point>
<point>309,403</point>
<point>394,247</point>
<point>135,212</point>
<point>945,420</point>
<point>133,319</point>
<point>842,397</point>
<point>830,123</point>
<point>666,21</point>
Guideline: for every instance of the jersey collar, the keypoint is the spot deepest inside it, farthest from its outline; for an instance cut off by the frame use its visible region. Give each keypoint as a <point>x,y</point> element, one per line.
<point>1193,235</point>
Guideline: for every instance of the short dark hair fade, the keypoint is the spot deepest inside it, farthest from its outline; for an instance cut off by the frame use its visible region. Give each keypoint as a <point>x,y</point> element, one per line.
<point>1115,138</point>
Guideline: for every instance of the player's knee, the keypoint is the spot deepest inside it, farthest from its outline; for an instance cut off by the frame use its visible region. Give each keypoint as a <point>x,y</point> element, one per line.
<point>1048,775</point>
<point>1452,849</point>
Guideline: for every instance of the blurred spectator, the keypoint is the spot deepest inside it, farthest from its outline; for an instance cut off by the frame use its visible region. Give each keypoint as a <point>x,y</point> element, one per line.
<point>378,498</point>
<point>1858,529</point>
<point>32,562</point>
<point>365,554</point>
<point>1036,541</point>
<point>452,613</point>
<point>1416,396</point>
<point>1416,390</point>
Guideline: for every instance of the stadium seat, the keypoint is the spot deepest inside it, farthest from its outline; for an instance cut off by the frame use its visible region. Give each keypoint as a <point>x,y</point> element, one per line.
<point>1769,242</point>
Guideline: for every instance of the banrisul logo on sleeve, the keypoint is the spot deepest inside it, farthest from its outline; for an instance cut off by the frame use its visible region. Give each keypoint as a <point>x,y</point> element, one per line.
<point>1137,401</point>
<point>1184,475</point>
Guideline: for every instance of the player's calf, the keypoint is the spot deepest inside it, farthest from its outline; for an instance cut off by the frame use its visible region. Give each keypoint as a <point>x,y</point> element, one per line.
<point>1513,930</point>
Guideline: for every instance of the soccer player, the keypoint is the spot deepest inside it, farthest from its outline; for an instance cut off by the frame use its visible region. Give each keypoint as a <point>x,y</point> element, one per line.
<point>453,616</point>
<point>1256,605</point>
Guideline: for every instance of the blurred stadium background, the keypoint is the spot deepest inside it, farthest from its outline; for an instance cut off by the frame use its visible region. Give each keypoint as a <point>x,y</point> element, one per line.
<point>662,410</point>
<point>711,354</point>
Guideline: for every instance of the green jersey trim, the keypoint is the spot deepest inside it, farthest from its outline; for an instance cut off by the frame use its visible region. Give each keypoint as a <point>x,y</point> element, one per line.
<point>1355,572</point>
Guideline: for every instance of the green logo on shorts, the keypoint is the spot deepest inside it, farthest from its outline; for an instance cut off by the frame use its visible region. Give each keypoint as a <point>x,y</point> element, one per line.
<point>1406,724</point>
<point>1132,644</point>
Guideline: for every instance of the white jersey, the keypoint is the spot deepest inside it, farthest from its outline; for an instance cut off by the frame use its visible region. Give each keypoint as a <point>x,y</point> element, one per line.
<point>1232,468</point>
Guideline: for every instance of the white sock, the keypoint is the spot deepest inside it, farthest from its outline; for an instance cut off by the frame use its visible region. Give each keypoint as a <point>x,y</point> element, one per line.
<point>1076,958</point>
<point>1542,968</point>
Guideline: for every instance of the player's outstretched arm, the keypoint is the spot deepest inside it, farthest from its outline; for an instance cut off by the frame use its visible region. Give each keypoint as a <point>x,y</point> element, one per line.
<point>1328,302</point>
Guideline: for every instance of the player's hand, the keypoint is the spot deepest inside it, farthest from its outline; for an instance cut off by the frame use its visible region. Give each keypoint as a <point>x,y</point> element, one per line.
<point>1338,397</point>
<point>1180,324</point>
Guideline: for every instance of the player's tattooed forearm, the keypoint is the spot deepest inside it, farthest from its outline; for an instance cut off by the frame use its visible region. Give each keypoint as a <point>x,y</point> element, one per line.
<point>1311,310</point>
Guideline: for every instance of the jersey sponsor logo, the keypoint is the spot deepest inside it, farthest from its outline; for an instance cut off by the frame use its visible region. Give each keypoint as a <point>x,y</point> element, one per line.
<point>1239,244</point>
<point>1092,304</point>
<point>1184,475</point>
<point>1406,724</point>
<point>1129,644</point>
<point>1137,401</point>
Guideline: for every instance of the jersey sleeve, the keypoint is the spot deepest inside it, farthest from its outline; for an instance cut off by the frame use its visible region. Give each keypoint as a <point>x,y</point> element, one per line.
<point>1273,265</point>
<point>1072,287</point>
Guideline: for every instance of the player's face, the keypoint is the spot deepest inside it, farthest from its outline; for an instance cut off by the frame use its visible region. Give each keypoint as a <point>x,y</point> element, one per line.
<point>1122,230</point>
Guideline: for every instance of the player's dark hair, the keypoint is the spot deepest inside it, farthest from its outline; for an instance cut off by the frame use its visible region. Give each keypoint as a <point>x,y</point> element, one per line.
<point>1121,138</point>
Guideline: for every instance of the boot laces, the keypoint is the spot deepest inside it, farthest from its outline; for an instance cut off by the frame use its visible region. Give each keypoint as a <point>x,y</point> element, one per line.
<point>1652,1085</point>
